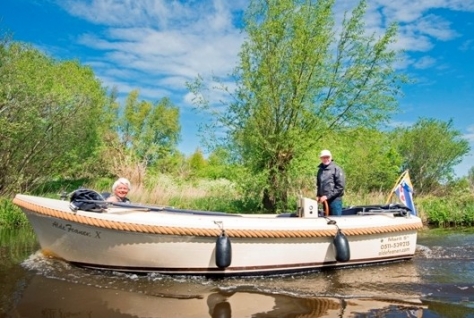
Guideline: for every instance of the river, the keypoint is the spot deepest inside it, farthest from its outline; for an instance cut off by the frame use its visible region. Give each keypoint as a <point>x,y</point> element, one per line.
<point>437,282</point>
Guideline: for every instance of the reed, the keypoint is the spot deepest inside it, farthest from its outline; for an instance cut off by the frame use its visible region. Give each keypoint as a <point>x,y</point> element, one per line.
<point>360,198</point>
<point>199,194</point>
<point>10,215</point>
<point>18,242</point>
<point>222,195</point>
<point>447,211</point>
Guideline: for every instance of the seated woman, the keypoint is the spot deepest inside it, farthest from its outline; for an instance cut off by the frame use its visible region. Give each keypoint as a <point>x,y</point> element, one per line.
<point>120,191</point>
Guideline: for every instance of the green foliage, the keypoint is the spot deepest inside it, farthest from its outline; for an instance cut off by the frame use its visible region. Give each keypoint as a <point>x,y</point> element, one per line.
<point>430,149</point>
<point>11,216</point>
<point>50,112</point>
<point>197,163</point>
<point>447,211</point>
<point>149,131</point>
<point>55,187</point>
<point>219,165</point>
<point>220,200</point>
<point>219,203</point>
<point>454,208</point>
<point>470,176</point>
<point>292,90</point>
<point>140,135</point>
<point>102,184</point>
<point>369,158</point>
<point>250,186</point>
<point>15,244</point>
<point>175,163</point>
<point>216,166</point>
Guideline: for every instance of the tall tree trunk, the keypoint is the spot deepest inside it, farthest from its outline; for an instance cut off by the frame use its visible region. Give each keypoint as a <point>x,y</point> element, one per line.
<point>276,194</point>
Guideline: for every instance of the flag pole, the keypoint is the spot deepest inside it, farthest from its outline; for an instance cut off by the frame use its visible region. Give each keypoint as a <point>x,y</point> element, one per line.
<point>395,185</point>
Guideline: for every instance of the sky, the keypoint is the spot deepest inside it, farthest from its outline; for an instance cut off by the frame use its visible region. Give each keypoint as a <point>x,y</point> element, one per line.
<point>156,46</point>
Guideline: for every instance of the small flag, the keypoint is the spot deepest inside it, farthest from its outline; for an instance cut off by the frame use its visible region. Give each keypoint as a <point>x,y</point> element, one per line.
<point>404,192</point>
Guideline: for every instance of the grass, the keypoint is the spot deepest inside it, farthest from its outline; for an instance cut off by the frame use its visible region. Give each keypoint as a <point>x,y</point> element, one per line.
<point>201,194</point>
<point>453,211</point>
<point>222,195</point>
<point>11,216</point>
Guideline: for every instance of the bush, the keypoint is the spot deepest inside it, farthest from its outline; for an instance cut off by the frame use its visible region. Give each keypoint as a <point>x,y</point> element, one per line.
<point>11,216</point>
<point>447,211</point>
<point>454,208</point>
<point>57,186</point>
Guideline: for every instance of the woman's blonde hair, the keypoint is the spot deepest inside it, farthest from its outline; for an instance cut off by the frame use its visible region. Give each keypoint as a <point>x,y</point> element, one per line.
<point>123,181</point>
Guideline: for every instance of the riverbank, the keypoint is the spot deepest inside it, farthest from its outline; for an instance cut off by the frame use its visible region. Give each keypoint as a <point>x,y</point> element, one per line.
<point>222,195</point>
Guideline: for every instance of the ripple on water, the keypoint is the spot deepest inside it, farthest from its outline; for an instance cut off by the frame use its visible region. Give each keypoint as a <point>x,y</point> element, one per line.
<point>440,277</point>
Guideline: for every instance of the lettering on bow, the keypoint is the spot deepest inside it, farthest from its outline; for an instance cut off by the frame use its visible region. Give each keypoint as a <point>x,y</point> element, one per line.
<point>70,229</point>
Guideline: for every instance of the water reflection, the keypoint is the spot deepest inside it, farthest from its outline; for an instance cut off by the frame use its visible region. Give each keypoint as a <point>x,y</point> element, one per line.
<point>438,282</point>
<point>78,292</point>
<point>16,245</point>
<point>47,297</point>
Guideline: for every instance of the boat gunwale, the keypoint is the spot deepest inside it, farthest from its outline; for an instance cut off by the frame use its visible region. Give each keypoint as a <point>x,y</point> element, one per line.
<point>209,232</point>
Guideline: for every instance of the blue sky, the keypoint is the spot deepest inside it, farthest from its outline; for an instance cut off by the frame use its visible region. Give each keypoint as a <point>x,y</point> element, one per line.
<point>155,46</point>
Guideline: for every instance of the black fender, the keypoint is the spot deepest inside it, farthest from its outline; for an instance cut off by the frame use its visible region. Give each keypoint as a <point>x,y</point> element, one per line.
<point>223,251</point>
<point>341,245</point>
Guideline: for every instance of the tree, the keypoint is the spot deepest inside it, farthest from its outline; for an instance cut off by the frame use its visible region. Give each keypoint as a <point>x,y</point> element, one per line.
<point>146,135</point>
<point>370,159</point>
<point>50,115</point>
<point>297,82</point>
<point>431,148</point>
<point>197,162</point>
<point>470,176</point>
<point>219,165</point>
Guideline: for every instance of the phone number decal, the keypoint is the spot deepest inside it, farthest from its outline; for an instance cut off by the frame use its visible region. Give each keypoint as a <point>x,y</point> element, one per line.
<point>395,245</point>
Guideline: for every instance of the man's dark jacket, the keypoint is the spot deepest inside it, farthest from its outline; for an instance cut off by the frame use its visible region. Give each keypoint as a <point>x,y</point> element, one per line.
<point>330,181</point>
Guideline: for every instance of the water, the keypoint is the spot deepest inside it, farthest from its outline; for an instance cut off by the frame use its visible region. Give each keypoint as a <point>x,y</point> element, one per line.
<point>438,282</point>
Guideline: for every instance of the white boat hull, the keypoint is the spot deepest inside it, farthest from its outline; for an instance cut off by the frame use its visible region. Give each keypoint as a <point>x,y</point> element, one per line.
<point>174,243</point>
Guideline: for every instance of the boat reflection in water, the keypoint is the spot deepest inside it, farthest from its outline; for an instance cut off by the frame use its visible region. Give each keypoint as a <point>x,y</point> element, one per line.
<point>283,306</point>
<point>54,288</point>
<point>45,297</point>
<point>99,295</point>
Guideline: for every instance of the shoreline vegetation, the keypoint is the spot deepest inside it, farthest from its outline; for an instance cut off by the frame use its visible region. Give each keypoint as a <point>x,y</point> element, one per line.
<point>289,96</point>
<point>454,210</point>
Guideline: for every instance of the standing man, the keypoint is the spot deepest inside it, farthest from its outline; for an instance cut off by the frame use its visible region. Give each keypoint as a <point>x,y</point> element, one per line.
<point>330,183</point>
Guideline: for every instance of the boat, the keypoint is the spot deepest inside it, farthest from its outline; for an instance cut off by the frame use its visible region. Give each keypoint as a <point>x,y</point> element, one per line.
<point>89,232</point>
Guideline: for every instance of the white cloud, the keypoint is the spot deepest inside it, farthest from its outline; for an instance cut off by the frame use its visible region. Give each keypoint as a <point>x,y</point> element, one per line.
<point>436,27</point>
<point>470,134</point>
<point>128,12</point>
<point>467,45</point>
<point>421,25</point>
<point>158,45</point>
<point>180,40</point>
<point>468,162</point>
<point>424,63</point>
<point>400,124</point>
<point>169,42</point>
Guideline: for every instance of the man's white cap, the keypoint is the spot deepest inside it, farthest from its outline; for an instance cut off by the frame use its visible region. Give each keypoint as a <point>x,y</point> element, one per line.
<point>325,153</point>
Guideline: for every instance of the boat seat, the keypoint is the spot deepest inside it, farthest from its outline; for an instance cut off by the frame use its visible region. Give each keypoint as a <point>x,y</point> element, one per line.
<point>396,209</point>
<point>105,195</point>
<point>354,210</point>
<point>287,215</point>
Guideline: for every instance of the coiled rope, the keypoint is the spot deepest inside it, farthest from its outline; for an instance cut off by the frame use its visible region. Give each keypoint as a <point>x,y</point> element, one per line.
<point>208,232</point>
